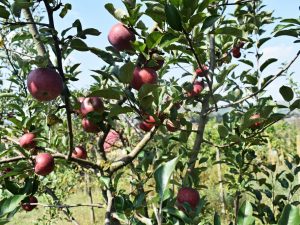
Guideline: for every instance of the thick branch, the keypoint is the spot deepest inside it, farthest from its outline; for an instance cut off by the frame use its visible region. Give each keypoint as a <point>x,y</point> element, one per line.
<point>61,72</point>
<point>66,206</point>
<point>34,32</point>
<point>131,156</point>
<point>109,207</point>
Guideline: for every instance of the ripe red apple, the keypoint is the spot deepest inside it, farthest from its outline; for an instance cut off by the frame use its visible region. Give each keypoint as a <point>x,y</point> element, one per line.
<point>44,164</point>
<point>120,37</point>
<point>197,89</point>
<point>89,126</point>
<point>255,124</point>
<point>111,138</point>
<point>187,195</point>
<point>27,141</point>
<point>142,76</point>
<point>236,52</point>
<point>44,84</point>
<point>27,201</point>
<point>79,152</point>
<point>147,124</point>
<point>201,73</point>
<point>91,104</point>
<point>172,126</point>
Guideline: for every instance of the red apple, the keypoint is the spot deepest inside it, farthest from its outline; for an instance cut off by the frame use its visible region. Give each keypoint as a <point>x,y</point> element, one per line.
<point>89,126</point>
<point>27,201</point>
<point>147,124</point>
<point>44,84</point>
<point>79,152</point>
<point>142,76</point>
<point>44,164</point>
<point>111,138</point>
<point>236,52</point>
<point>27,141</point>
<point>197,89</point>
<point>120,37</point>
<point>187,195</point>
<point>91,104</point>
<point>201,73</point>
<point>256,124</point>
<point>171,126</point>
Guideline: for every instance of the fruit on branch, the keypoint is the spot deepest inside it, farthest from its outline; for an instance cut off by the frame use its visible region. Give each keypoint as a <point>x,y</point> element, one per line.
<point>111,138</point>
<point>28,200</point>
<point>143,76</point>
<point>172,126</point>
<point>197,89</point>
<point>147,124</point>
<point>44,164</point>
<point>44,84</point>
<point>256,124</point>
<point>27,141</point>
<point>200,72</point>
<point>187,195</point>
<point>79,152</point>
<point>236,53</point>
<point>120,37</point>
<point>91,104</point>
<point>89,126</point>
<point>241,44</point>
<point>158,59</point>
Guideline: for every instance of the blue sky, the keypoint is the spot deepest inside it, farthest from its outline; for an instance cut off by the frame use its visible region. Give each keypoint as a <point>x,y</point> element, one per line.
<point>93,14</point>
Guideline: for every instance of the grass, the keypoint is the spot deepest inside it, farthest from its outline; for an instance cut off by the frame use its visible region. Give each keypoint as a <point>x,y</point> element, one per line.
<point>81,214</point>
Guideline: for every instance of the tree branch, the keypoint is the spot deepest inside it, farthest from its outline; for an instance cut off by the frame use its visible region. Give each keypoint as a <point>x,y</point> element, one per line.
<point>66,211</point>
<point>258,91</point>
<point>61,72</point>
<point>131,156</point>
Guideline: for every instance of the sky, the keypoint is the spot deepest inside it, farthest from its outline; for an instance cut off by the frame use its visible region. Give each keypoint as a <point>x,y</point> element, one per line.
<point>93,14</point>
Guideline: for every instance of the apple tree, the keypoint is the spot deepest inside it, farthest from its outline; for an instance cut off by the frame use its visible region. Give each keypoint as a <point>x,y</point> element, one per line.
<point>160,85</point>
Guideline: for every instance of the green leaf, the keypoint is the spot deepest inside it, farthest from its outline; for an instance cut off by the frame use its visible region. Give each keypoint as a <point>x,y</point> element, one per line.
<point>3,12</point>
<point>177,213</point>
<point>9,204</point>
<point>222,130</point>
<point>105,56</point>
<point>289,216</point>
<point>65,10</point>
<point>117,13</point>
<point>245,214</point>
<point>246,61</point>
<point>153,39</point>
<point>229,31</point>
<point>168,39</point>
<point>110,93</point>
<point>217,219</point>
<point>79,45</point>
<point>287,93</point>
<point>173,17</point>
<point>146,89</point>
<point>162,175</point>
<point>267,63</point>
<point>126,73</point>
<point>209,21</point>
<point>295,105</point>
<point>117,109</point>
<point>291,32</point>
